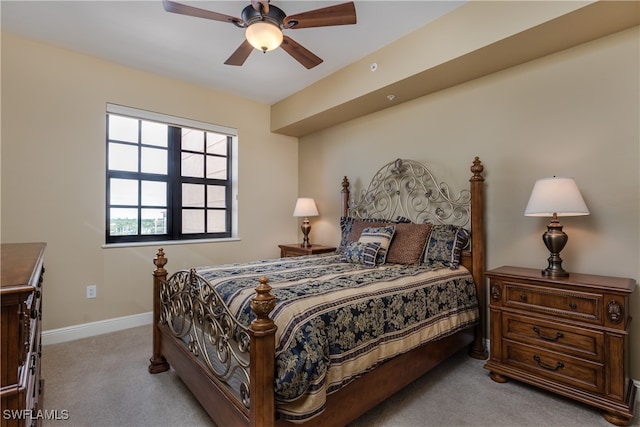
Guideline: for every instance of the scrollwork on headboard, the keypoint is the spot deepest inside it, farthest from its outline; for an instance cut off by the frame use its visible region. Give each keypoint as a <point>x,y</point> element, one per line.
<point>406,188</point>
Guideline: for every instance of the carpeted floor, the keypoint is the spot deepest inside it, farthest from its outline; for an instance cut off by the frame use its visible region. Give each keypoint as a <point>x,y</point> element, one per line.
<point>103,381</point>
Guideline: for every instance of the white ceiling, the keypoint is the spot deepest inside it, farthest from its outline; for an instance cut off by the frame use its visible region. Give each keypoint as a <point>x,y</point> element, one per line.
<point>140,34</point>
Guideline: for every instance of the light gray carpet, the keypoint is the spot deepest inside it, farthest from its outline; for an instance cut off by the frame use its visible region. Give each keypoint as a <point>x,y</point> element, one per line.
<point>103,381</point>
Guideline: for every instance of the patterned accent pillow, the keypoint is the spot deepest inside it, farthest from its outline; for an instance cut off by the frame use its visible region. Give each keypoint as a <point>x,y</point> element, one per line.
<point>445,245</point>
<point>401,220</point>
<point>352,228</point>
<point>346,224</point>
<point>409,241</point>
<point>382,235</point>
<point>361,253</point>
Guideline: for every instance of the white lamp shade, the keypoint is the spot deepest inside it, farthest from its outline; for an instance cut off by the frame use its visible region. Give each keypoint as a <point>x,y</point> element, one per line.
<point>264,35</point>
<point>556,195</point>
<point>305,206</point>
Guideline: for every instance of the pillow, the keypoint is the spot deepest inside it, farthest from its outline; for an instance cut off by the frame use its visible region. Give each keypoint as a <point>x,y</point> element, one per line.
<point>445,245</point>
<point>346,224</point>
<point>361,253</point>
<point>352,228</point>
<point>409,241</point>
<point>382,235</point>
<point>401,220</point>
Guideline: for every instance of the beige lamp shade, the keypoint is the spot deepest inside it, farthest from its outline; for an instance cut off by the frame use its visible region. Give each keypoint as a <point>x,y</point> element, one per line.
<point>556,195</point>
<point>305,206</point>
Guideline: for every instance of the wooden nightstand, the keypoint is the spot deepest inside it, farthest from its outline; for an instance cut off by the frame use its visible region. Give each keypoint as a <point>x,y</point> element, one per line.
<point>294,249</point>
<point>568,335</point>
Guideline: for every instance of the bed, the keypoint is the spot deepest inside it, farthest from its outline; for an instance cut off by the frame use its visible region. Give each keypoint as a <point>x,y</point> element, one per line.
<point>321,339</point>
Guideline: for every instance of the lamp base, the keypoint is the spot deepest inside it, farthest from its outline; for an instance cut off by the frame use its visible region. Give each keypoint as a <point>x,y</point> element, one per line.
<point>306,228</point>
<point>555,270</point>
<point>555,239</point>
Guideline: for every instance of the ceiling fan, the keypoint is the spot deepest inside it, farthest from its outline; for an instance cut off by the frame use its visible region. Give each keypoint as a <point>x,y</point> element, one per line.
<point>263,24</point>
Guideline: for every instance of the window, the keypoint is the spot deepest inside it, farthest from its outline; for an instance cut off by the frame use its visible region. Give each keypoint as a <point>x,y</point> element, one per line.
<point>167,178</point>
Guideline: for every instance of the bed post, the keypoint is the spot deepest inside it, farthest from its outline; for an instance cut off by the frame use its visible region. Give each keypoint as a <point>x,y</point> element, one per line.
<point>262,409</point>
<point>158,362</point>
<point>478,350</point>
<point>345,197</point>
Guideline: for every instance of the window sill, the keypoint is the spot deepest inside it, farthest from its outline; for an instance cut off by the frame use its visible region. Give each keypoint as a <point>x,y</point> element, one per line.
<point>168,242</point>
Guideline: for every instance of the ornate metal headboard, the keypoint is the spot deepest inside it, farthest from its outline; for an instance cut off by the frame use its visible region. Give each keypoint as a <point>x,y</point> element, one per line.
<point>406,188</point>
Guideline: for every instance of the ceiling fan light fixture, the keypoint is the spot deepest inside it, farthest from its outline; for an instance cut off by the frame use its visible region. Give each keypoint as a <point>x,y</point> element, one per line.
<point>264,36</point>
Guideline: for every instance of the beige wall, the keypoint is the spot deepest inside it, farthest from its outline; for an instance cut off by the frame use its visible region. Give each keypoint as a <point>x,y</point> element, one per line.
<point>575,113</point>
<point>53,176</point>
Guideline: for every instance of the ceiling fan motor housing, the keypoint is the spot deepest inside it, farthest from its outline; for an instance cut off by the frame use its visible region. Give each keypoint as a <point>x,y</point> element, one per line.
<point>274,16</point>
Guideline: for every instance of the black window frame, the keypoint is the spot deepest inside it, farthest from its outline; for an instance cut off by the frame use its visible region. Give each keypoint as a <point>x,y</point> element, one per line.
<point>174,180</point>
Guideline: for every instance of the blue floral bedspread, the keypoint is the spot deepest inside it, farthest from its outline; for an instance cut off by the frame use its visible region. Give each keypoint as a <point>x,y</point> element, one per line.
<point>337,320</point>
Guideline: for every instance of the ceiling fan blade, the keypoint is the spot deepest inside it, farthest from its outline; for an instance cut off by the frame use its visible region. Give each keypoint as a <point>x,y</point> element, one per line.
<point>183,9</point>
<point>299,53</point>
<point>341,14</point>
<point>240,55</point>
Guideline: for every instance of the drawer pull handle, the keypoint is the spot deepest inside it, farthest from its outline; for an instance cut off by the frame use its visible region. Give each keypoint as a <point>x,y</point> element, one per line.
<point>546,338</point>
<point>559,365</point>
<point>573,306</point>
<point>523,297</point>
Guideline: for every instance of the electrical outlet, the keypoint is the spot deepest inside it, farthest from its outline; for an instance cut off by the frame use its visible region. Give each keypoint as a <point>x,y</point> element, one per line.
<point>91,291</point>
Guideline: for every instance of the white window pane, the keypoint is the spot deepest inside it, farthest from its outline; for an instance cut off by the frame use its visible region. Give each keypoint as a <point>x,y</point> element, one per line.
<point>193,165</point>
<point>192,221</point>
<point>154,221</point>
<point>216,221</point>
<point>193,140</point>
<point>216,167</point>
<point>123,222</point>
<point>155,134</point>
<point>123,128</point>
<point>124,192</point>
<point>216,144</point>
<point>193,195</point>
<point>154,160</point>
<point>216,196</point>
<point>123,157</point>
<point>154,193</point>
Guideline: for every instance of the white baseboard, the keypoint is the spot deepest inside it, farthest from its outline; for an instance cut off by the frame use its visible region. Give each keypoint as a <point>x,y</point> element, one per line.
<point>85,330</point>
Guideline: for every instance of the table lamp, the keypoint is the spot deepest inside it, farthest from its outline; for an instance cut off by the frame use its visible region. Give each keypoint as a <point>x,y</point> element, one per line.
<point>305,207</point>
<point>555,197</point>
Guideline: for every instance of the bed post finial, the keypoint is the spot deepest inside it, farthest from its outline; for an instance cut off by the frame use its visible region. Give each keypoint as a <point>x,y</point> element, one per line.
<point>160,261</point>
<point>477,169</point>
<point>157,362</point>
<point>262,304</point>
<point>345,197</point>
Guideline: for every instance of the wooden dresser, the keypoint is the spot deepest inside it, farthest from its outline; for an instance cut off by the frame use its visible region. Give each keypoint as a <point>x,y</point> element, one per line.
<point>568,335</point>
<point>21,294</point>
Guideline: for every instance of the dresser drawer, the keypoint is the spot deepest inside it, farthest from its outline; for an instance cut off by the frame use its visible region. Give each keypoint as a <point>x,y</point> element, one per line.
<point>561,368</point>
<point>570,340</point>
<point>564,303</point>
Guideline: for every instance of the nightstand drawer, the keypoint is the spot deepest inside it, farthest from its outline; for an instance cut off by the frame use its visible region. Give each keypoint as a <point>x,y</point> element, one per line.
<point>573,341</point>
<point>569,304</point>
<point>557,367</point>
<point>295,249</point>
